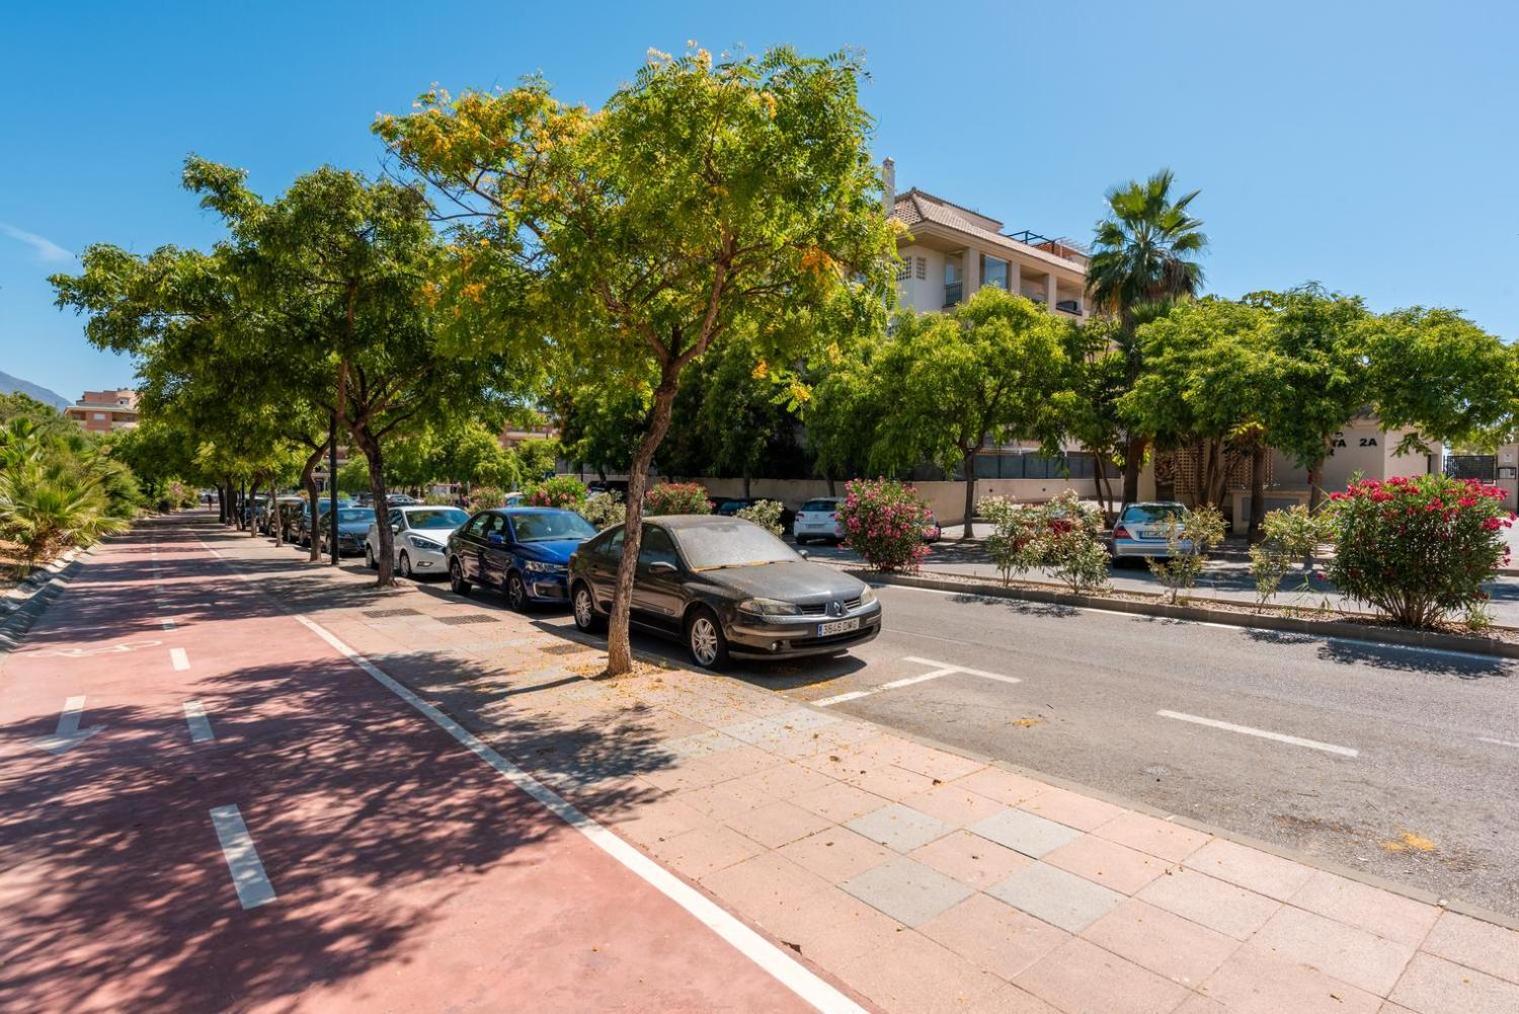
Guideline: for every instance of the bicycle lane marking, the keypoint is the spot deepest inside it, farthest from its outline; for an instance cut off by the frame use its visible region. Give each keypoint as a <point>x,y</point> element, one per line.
<point>785,969</point>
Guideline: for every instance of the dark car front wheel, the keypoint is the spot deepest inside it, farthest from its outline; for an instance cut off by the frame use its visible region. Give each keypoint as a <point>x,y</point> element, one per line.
<point>705,639</point>
<point>516,592</point>
<point>584,604</point>
<point>456,582</point>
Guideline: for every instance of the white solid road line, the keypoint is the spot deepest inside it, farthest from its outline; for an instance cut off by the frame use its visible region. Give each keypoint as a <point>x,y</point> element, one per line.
<point>756,948</point>
<point>200,725</point>
<point>960,668</point>
<point>179,658</point>
<point>943,669</point>
<point>248,876</point>
<point>1497,742</point>
<point>1213,723</point>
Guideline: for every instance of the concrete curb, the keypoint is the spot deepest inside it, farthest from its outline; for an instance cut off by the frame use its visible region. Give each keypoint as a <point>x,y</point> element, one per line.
<point>21,605</point>
<point>1205,614</point>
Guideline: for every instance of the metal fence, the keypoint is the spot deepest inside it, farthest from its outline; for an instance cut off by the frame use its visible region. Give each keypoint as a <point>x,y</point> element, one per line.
<point>1472,466</point>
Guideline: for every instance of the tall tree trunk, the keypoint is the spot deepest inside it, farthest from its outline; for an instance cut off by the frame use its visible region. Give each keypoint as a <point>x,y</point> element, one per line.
<point>1133,456</point>
<point>221,504</point>
<point>619,646</point>
<point>832,486</point>
<point>1104,487</point>
<point>1315,484</point>
<point>385,559</point>
<point>1259,457</point>
<point>970,491</point>
<point>253,508</point>
<point>746,484</point>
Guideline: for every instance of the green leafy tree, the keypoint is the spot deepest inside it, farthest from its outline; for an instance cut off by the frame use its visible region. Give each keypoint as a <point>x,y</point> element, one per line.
<point>1144,257</point>
<point>706,200</point>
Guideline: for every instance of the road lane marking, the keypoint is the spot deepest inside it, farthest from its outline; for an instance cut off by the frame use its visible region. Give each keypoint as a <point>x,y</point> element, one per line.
<point>1213,723</point>
<point>942,669</point>
<point>785,969</point>
<point>960,668</point>
<point>68,735</point>
<point>1496,742</point>
<point>248,876</point>
<point>200,725</point>
<point>179,658</point>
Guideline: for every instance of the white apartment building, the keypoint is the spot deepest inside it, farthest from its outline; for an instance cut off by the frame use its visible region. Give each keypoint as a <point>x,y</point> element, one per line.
<point>951,251</point>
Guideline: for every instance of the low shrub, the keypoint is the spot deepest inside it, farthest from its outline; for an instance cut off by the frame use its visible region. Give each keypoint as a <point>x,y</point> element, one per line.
<point>1018,542</point>
<point>1289,536</point>
<point>677,498</point>
<point>481,497</point>
<point>604,510</point>
<point>563,491</point>
<point>766,514</point>
<point>1189,540</point>
<point>1418,548</point>
<point>1076,550</point>
<point>883,521</point>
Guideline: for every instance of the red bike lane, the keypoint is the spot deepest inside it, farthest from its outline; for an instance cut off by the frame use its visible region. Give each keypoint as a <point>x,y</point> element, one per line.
<point>204,805</point>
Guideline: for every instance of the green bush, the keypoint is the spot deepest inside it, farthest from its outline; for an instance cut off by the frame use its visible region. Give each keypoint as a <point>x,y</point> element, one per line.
<point>1189,540</point>
<point>677,498</point>
<point>1018,542</point>
<point>1418,549</point>
<point>604,510</point>
<point>1289,536</point>
<point>1077,552</point>
<point>766,514</point>
<point>563,491</point>
<point>481,497</point>
<point>59,488</point>
<point>883,521</point>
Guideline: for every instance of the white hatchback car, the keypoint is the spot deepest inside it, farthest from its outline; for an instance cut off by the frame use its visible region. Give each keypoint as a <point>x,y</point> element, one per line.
<point>421,538</point>
<point>818,519</point>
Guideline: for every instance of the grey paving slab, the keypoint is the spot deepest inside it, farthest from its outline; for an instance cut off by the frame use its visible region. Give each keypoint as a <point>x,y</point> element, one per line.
<point>899,827</point>
<point>1059,898</point>
<point>907,890</point>
<point>1027,833</point>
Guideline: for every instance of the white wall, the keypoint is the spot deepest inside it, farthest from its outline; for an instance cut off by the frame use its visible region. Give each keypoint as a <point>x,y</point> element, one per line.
<point>1367,449</point>
<point>946,499</point>
<point>926,293</point>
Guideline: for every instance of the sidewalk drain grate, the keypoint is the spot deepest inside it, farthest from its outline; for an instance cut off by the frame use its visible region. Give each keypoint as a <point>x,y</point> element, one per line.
<point>459,621</point>
<point>564,649</point>
<point>380,614</point>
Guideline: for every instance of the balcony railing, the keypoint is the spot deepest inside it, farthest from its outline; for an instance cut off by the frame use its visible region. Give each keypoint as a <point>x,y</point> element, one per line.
<point>953,293</point>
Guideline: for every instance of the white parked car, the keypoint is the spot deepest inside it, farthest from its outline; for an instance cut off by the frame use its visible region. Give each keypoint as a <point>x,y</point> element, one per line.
<point>818,519</point>
<point>421,538</point>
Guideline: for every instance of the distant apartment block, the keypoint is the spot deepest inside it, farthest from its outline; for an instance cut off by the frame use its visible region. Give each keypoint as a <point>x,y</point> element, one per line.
<point>104,411</point>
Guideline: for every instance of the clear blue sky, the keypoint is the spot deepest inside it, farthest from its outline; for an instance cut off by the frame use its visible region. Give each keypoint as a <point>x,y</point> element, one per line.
<point>1371,146</point>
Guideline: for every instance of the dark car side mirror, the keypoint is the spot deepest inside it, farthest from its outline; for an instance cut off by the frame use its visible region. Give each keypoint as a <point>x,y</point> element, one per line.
<point>804,554</point>
<point>662,567</point>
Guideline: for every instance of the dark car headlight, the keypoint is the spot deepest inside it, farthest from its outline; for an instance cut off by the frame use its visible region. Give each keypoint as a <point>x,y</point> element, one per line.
<point>542,567</point>
<point>769,607</point>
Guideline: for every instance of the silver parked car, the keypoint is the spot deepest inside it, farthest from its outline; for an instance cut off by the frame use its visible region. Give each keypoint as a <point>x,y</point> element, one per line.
<point>1141,530</point>
<point>421,538</point>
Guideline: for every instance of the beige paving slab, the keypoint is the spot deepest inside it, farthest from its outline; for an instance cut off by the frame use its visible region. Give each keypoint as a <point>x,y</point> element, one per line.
<point>1349,954</point>
<point>1476,944</point>
<point>1370,908</point>
<point>971,859</point>
<point>1255,981</point>
<point>1072,808</point>
<point>911,974</point>
<point>776,824</point>
<point>1167,944</point>
<point>1432,985</point>
<point>955,804</point>
<point>1213,903</point>
<point>1107,863</point>
<point>840,802</point>
<point>1165,839</point>
<point>1005,787</point>
<point>836,853</point>
<point>993,935</point>
<point>1250,868</point>
<point>1082,978</point>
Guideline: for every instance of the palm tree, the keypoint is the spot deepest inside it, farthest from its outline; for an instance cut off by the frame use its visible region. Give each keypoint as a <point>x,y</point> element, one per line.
<point>1144,259</point>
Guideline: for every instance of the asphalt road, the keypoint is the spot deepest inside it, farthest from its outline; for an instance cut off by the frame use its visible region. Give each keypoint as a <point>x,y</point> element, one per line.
<point>1409,771</point>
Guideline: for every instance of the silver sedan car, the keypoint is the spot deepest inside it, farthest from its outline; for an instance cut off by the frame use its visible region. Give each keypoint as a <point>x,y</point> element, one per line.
<point>1142,531</point>
<point>421,538</point>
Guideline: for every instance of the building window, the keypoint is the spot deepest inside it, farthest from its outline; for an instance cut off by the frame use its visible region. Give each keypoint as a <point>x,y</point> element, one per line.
<point>922,267</point>
<point>954,282</point>
<point>994,271</point>
<point>905,271</point>
<point>99,415</point>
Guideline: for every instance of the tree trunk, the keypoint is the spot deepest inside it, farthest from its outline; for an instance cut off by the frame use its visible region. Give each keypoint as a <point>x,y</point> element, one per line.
<point>746,485</point>
<point>221,504</point>
<point>313,499</point>
<point>253,508</point>
<point>619,647</point>
<point>970,491</point>
<point>832,486</point>
<point>1315,482</point>
<point>1133,455</point>
<point>1104,487</point>
<point>1258,461</point>
<point>385,559</point>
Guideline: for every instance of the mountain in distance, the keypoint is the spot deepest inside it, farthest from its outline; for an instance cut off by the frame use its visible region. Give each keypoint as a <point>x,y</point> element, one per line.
<point>15,385</point>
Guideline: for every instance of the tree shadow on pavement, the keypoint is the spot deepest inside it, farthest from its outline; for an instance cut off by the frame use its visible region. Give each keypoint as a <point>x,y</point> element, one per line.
<point>1392,656</point>
<point>371,823</point>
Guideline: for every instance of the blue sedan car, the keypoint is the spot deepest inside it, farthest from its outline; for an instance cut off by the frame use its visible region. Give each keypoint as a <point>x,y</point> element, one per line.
<point>523,551</point>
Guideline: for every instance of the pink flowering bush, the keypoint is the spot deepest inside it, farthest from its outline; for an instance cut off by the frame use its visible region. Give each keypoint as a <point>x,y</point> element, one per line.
<point>677,498</point>
<point>563,491</point>
<point>1418,548</point>
<point>883,521</point>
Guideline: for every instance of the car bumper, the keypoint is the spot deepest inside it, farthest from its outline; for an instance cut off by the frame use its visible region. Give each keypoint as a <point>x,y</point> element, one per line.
<point>426,561</point>
<point>350,546</point>
<point>798,637</point>
<point>1143,549</point>
<point>547,587</point>
<point>818,532</point>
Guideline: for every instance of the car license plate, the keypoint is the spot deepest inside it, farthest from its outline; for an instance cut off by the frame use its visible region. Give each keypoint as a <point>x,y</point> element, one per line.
<point>838,627</point>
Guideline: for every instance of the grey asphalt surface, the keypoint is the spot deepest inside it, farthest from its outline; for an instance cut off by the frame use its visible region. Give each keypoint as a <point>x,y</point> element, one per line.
<point>1085,710</point>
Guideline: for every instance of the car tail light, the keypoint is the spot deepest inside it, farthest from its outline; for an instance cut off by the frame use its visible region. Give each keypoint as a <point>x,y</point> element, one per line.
<point>1120,532</point>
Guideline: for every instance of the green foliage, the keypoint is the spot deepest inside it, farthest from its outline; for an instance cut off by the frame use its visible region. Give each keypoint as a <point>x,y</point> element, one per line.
<point>883,521</point>
<point>59,488</point>
<point>536,458</point>
<point>1019,541</point>
<point>604,510</point>
<point>766,514</point>
<point>1418,549</point>
<point>1145,250</point>
<point>1076,551</point>
<point>1290,535</point>
<point>353,476</point>
<point>677,498</point>
<point>481,497</point>
<point>1189,540</point>
<point>564,491</point>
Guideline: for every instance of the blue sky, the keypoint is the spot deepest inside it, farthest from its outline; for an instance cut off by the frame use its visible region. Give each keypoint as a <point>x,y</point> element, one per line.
<point>1371,146</point>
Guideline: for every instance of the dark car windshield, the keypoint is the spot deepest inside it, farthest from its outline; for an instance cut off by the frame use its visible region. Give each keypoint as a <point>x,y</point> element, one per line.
<point>821,505</point>
<point>443,517</point>
<point>1154,512</point>
<point>353,515</point>
<point>736,543</point>
<point>550,525</point>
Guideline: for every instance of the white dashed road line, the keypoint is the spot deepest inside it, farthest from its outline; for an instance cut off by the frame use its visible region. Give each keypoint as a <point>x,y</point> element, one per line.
<point>248,876</point>
<point>179,658</point>
<point>200,725</point>
<point>1213,723</point>
<point>1497,742</point>
<point>942,669</point>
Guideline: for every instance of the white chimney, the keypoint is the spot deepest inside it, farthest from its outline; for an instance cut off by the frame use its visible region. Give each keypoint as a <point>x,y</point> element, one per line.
<point>889,185</point>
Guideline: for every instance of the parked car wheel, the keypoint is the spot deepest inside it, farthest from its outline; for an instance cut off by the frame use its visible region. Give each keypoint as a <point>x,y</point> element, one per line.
<point>705,639</point>
<point>516,592</point>
<point>369,560</point>
<point>406,566</point>
<point>585,610</point>
<point>456,582</point>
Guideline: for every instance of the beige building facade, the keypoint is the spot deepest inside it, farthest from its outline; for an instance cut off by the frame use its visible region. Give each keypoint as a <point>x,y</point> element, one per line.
<point>104,411</point>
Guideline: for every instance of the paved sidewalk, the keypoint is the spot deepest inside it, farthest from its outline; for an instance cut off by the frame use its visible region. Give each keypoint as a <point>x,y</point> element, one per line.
<point>922,879</point>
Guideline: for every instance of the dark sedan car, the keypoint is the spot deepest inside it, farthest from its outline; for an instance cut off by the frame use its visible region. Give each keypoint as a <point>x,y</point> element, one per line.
<point>353,527</point>
<point>725,587</point>
<point>521,550</point>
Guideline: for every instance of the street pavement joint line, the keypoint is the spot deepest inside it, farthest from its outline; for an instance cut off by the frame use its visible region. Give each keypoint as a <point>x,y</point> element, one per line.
<point>1213,723</point>
<point>248,876</point>
<point>756,948</point>
<point>1497,742</point>
<point>200,725</point>
<point>179,658</point>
